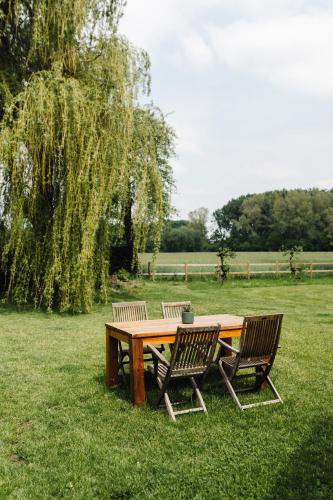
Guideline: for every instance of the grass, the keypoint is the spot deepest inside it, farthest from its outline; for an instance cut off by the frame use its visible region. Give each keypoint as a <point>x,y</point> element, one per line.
<point>63,435</point>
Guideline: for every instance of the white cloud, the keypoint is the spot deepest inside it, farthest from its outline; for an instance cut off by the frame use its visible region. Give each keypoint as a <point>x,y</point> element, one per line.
<point>326,183</point>
<point>196,51</point>
<point>276,173</point>
<point>261,8</point>
<point>236,134</point>
<point>188,138</point>
<point>292,51</point>
<point>276,40</point>
<point>148,23</point>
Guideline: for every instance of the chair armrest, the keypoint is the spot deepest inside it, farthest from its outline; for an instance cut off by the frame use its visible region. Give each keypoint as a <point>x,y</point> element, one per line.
<point>156,354</point>
<point>227,346</point>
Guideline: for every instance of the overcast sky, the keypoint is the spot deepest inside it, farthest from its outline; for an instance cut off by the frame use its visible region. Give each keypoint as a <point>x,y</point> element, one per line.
<point>248,85</point>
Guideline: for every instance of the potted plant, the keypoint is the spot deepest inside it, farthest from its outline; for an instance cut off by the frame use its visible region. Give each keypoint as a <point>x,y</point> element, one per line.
<point>187,315</point>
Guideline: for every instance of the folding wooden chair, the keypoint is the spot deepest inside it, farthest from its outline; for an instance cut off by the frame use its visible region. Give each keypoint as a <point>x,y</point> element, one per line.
<point>257,349</point>
<point>173,309</point>
<point>191,358</point>
<point>130,311</point>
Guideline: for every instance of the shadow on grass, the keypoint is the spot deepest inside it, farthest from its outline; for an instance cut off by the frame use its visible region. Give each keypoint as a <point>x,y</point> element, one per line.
<point>14,309</point>
<point>130,291</point>
<point>178,390</point>
<point>309,472</point>
<point>123,389</point>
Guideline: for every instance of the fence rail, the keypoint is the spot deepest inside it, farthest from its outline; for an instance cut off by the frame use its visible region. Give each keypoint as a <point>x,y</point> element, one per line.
<point>246,269</point>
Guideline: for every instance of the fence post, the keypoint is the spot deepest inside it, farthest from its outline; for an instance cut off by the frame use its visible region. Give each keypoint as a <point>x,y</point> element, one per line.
<point>185,271</point>
<point>248,270</point>
<point>277,268</point>
<point>311,269</point>
<point>149,270</point>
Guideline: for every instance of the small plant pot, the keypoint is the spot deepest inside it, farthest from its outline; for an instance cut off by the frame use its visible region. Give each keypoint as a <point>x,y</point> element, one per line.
<point>187,317</point>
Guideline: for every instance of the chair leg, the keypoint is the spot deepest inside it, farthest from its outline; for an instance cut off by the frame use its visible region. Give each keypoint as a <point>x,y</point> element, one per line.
<point>200,384</point>
<point>218,355</point>
<point>252,405</point>
<point>121,367</point>
<point>123,374</point>
<point>273,389</point>
<point>169,407</point>
<point>260,378</point>
<point>165,395</point>
<point>198,394</point>
<point>229,387</point>
<point>266,382</point>
<point>162,387</point>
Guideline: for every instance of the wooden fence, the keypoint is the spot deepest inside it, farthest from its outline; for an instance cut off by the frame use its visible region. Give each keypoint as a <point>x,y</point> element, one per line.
<point>246,269</point>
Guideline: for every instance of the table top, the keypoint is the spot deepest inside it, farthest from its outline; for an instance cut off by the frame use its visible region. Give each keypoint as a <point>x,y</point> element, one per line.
<point>153,327</point>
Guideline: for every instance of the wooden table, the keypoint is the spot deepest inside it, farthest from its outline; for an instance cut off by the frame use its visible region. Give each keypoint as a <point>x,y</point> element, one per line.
<point>155,331</point>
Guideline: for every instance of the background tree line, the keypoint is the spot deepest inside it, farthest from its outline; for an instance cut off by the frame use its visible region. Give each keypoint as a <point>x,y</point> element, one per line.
<point>187,235</point>
<point>273,219</point>
<point>258,222</point>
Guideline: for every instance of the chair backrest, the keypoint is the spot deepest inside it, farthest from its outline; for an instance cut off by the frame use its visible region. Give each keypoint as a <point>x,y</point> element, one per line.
<point>260,336</point>
<point>194,349</point>
<point>129,311</point>
<point>173,309</point>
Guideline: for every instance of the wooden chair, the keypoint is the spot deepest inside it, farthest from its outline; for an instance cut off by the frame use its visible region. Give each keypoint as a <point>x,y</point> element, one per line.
<point>173,309</point>
<point>257,349</point>
<point>191,358</point>
<point>130,311</point>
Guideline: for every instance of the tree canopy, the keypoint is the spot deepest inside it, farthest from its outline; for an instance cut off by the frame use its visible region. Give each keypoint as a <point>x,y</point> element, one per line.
<point>271,220</point>
<point>77,151</point>
<point>186,235</point>
<point>180,236</point>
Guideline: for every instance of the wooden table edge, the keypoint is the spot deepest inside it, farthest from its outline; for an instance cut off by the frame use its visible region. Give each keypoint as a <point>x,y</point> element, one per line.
<point>121,334</point>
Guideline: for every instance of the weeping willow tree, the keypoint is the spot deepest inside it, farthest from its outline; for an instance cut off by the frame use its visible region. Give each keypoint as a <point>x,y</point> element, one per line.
<point>78,155</point>
<point>149,153</point>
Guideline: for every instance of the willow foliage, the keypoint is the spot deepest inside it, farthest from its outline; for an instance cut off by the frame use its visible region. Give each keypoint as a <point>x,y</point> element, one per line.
<point>76,150</point>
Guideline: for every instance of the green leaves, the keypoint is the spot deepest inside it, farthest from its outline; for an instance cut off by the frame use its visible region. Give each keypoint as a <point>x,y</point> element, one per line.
<point>269,220</point>
<point>75,151</point>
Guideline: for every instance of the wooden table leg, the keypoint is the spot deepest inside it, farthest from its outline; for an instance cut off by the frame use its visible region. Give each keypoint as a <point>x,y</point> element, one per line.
<point>258,370</point>
<point>111,361</point>
<point>227,352</point>
<point>137,372</point>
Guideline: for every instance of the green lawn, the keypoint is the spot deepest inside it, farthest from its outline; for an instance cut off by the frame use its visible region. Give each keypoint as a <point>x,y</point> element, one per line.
<point>64,435</point>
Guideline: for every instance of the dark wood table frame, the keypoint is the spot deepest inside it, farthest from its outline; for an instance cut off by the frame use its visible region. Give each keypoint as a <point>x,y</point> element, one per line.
<point>156,331</point>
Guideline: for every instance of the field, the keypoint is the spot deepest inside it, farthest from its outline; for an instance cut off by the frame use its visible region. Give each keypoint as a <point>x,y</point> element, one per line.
<point>196,263</point>
<point>255,257</point>
<point>64,435</point>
